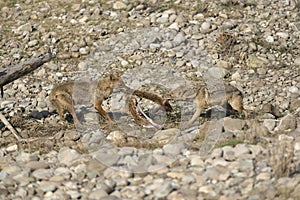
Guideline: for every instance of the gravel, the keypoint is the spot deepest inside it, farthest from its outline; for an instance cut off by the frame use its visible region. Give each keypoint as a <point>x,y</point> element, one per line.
<point>158,46</point>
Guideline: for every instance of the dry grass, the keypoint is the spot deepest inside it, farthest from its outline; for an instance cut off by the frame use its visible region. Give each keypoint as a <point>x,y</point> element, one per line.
<point>141,144</point>
<point>281,158</point>
<point>37,136</point>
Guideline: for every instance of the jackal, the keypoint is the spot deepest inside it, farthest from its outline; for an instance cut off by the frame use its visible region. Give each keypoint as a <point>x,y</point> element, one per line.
<point>63,96</point>
<point>204,97</point>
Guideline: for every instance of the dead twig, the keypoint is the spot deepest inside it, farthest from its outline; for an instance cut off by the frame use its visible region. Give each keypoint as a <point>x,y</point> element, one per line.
<point>11,73</point>
<point>9,126</point>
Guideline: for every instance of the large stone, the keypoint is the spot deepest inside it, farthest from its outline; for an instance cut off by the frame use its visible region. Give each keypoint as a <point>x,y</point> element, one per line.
<point>37,165</point>
<point>163,190</point>
<point>269,124</point>
<point>42,174</point>
<point>196,160</point>
<point>212,173</point>
<point>245,165</point>
<point>119,5</point>
<point>241,149</point>
<point>98,194</point>
<point>228,153</point>
<point>256,62</point>
<point>117,137</point>
<point>217,72</point>
<point>67,156</point>
<point>231,125</point>
<point>287,123</point>
<point>223,64</point>
<point>166,136</point>
<point>174,149</point>
<point>26,157</point>
<point>297,61</point>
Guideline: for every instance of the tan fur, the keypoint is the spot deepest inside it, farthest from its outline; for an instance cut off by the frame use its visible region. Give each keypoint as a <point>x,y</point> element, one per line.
<point>64,95</point>
<point>205,98</point>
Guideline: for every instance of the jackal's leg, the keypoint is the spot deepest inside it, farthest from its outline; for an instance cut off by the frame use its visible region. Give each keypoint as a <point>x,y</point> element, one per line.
<point>236,102</point>
<point>98,107</point>
<point>199,110</point>
<point>202,100</point>
<point>64,102</point>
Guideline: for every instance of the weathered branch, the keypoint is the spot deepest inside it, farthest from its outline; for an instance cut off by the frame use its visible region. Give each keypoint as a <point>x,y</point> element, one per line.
<point>11,73</point>
<point>9,126</point>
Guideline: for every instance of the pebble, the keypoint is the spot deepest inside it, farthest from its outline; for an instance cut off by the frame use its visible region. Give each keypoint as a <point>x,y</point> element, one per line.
<point>42,174</point>
<point>270,39</point>
<point>282,35</point>
<point>98,193</point>
<point>232,125</point>
<point>196,161</point>
<point>256,62</point>
<point>67,156</point>
<point>117,137</point>
<point>288,123</point>
<point>236,76</point>
<point>270,124</point>
<point>297,61</point>
<point>228,153</point>
<point>174,26</point>
<point>84,51</point>
<point>205,26</point>
<point>163,190</point>
<point>166,136</point>
<point>12,148</point>
<point>33,43</point>
<point>163,19</point>
<point>217,72</point>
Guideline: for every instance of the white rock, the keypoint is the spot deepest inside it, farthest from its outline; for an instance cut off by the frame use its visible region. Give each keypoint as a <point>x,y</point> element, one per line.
<point>42,174</point>
<point>67,156</point>
<point>297,61</point>
<point>163,19</point>
<point>236,76</point>
<point>174,26</point>
<point>84,51</point>
<point>59,74</point>
<point>228,153</point>
<point>269,124</point>
<point>98,194</point>
<point>270,39</point>
<point>163,190</point>
<point>217,72</point>
<point>73,21</point>
<point>294,89</point>
<point>282,35</point>
<point>205,26</point>
<point>196,161</point>
<point>119,5</point>
<point>297,146</point>
<point>117,136</point>
<point>287,123</point>
<point>12,148</point>
<point>166,136</point>
<point>33,43</point>
<point>263,176</point>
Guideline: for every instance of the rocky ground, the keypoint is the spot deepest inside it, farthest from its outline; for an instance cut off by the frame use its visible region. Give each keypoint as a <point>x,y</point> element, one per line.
<point>157,46</point>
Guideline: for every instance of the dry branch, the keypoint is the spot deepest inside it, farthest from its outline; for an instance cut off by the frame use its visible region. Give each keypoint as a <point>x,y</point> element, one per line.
<point>9,126</point>
<point>11,73</point>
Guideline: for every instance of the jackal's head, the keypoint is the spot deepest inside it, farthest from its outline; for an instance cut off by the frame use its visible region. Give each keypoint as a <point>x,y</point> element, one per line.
<point>116,81</point>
